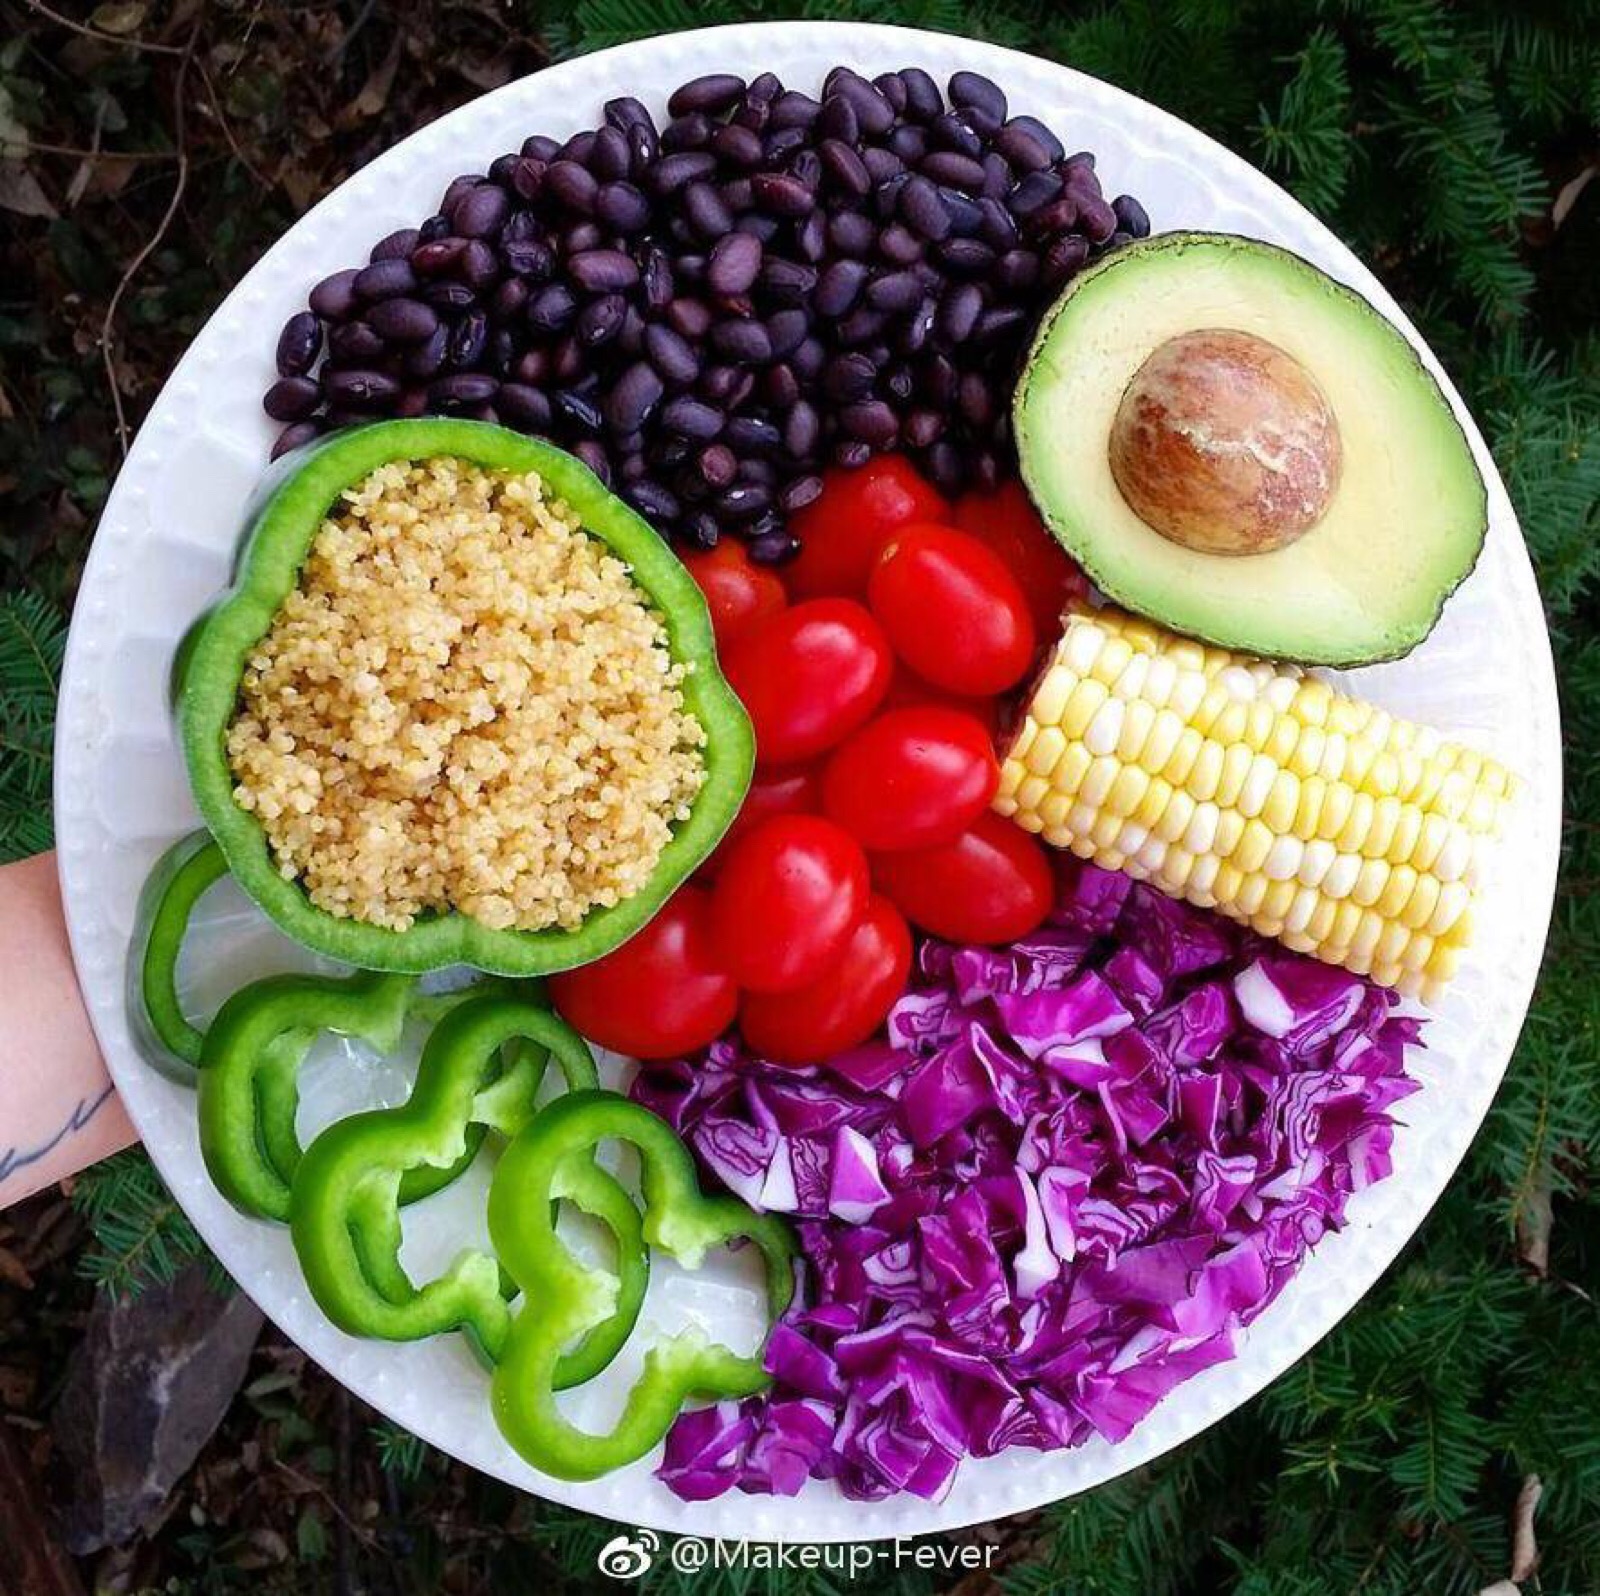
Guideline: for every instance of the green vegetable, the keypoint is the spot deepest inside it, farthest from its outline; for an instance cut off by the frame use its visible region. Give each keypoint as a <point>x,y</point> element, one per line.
<point>214,656</point>
<point>566,1300</point>
<point>344,1209</point>
<point>249,1073</point>
<point>181,876</point>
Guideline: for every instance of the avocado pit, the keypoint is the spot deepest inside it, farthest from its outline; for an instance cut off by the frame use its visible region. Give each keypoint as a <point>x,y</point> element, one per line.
<point>1224,443</point>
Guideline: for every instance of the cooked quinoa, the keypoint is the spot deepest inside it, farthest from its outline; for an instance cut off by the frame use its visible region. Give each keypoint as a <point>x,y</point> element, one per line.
<point>468,704</point>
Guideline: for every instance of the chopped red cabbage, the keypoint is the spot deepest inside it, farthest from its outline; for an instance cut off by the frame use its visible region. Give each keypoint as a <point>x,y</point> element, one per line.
<point>1066,1178</point>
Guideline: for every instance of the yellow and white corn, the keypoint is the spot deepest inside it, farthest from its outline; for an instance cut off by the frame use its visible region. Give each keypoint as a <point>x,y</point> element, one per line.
<point>1259,791</point>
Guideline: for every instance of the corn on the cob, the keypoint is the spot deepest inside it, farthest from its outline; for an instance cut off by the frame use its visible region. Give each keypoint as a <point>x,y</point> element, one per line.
<point>1259,791</point>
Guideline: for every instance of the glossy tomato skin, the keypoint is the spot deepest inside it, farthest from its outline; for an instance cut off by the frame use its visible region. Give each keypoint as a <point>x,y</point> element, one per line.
<point>1007,523</point>
<point>992,884</point>
<point>841,532</point>
<point>793,791</point>
<point>845,1006</point>
<point>738,592</point>
<point>786,901</point>
<point>662,993</point>
<point>809,676</point>
<point>911,778</point>
<point>951,609</point>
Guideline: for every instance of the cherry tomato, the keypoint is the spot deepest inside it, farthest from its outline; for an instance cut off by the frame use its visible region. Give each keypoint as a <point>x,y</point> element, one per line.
<point>992,884</point>
<point>1007,523</point>
<point>845,1005</point>
<point>738,592</point>
<point>841,532</point>
<point>907,690</point>
<point>786,901</point>
<point>952,610</point>
<point>771,792</point>
<point>663,992</point>
<point>911,779</point>
<point>809,676</point>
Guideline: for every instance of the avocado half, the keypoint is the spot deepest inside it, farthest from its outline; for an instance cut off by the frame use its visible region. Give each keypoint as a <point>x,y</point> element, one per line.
<point>284,521</point>
<point>1405,523</point>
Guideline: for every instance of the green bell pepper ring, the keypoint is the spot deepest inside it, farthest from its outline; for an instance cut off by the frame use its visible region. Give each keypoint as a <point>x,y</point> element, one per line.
<point>181,876</point>
<point>564,1300</point>
<point>345,1222</point>
<point>296,498</point>
<point>249,1074</point>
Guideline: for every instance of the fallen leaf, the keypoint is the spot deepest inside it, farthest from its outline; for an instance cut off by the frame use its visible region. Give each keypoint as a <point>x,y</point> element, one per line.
<point>12,1272</point>
<point>20,192</point>
<point>120,17</point>
<point>1534,1219</point>
<point>1501,1587</point>
<point>1524,1548</point>
<point>374,93</point>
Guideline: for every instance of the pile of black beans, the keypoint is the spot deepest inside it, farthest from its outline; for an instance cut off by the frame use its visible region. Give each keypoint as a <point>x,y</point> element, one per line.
<point>710,313</point>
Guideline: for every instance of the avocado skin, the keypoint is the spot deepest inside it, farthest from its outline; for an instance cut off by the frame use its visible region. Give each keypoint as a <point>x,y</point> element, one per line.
<point>1084,542</point>
<point>284,519</point>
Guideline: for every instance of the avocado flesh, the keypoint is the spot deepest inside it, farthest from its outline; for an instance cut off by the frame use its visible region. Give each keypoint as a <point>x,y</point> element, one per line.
<point>1405,524</point>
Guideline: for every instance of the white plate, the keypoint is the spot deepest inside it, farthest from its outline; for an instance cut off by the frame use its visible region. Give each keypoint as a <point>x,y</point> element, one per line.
<point>163,550</point>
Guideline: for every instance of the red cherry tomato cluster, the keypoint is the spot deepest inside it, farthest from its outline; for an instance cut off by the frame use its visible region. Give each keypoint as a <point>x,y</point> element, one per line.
<point>871,675</point>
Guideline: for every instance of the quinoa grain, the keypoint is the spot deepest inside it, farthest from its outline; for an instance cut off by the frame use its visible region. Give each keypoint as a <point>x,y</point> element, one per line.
<point>466,704</point>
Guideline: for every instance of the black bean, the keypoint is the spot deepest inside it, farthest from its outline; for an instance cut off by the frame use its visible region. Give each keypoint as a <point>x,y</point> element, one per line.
<point>335,296</point>
<point>427,358</point>
<point>734,263</point>
<point>552,308</point>
<point>625,112</point>
<point>523,407</point>
<point>573,185</point>
<point>773,548</point>
<point>780,387</point>
<point>916,328</point>
<point>792,109</point>
<point>435,227</point>
<point>717,465</point>
<point>291,398</point>
<point>808,359</point>
<point>403,321</point>
<point>354,343</point>
<point>359,389</point>
<point>1033,193</point>
<point>1016,271</point>
<point>923,210</point>
<point>644,149</point>
<point>873,112</point>
<point>974,400</point>
<point>997,228</point>
<point>742,342</point>
<point>922,427</point>
<point>1062,259</point>
<point>895,291</point>
<point>622,207</point>
<point>594,456</point>
<point>996,176</point>
<point>1021,148</point>
<point>1131,216</point>
<point>396,245</point>
<point>608,156</point>
<point>674,172</point>
<point>653,501</point>
<point>449,296</point>
<point>899,244</point>
<point>764,88</point>
<point>457,190</point>
<point>579,147</point>
<point>786,330</point>
<point>740,147</point>
<point>801,430</point>
<point>958,313</point>
<point>848,377</point>
<point>601,320</point>
<point>744,501</point>
<point>532,258</point>
<point>761,228</point>
<point>295,437</point>
<point>701,530</point>
<point>670,354</point>
<point>851,233</point>
<point>937,379</point>
<point>691,317</point>
<point>716,91</point>
<point>787,282</point>
<point>811,238</point>
<point>477,266</point>
<point>781,194</point>
<point>1036,129</point>
<point>838,120</point>
<point>1097,219</point>
<point>800,492</point>
<point>598,271</point>
<point>952,131</point>
<point>882,165</point>
<point>966,257</point>
<point>540,147</point>
<point>633,397</point>
<point>851,453</point>
<point>482,212</point>
<point>965,213</point>
<point>691,418</point>
<point>861,326</point>
<point>576,408</point>
<point>845,169</point>
<point>437,257</point>
<point>1000,323</point>
<point>751,434</point>
<point>953,169</point>
<point>707,211</point>
<point>839,286</point>
<point>923,99</point>
<point>298,344</point>
<point>468,340</point>
<point>683,133</point>
<point>973,89</point>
